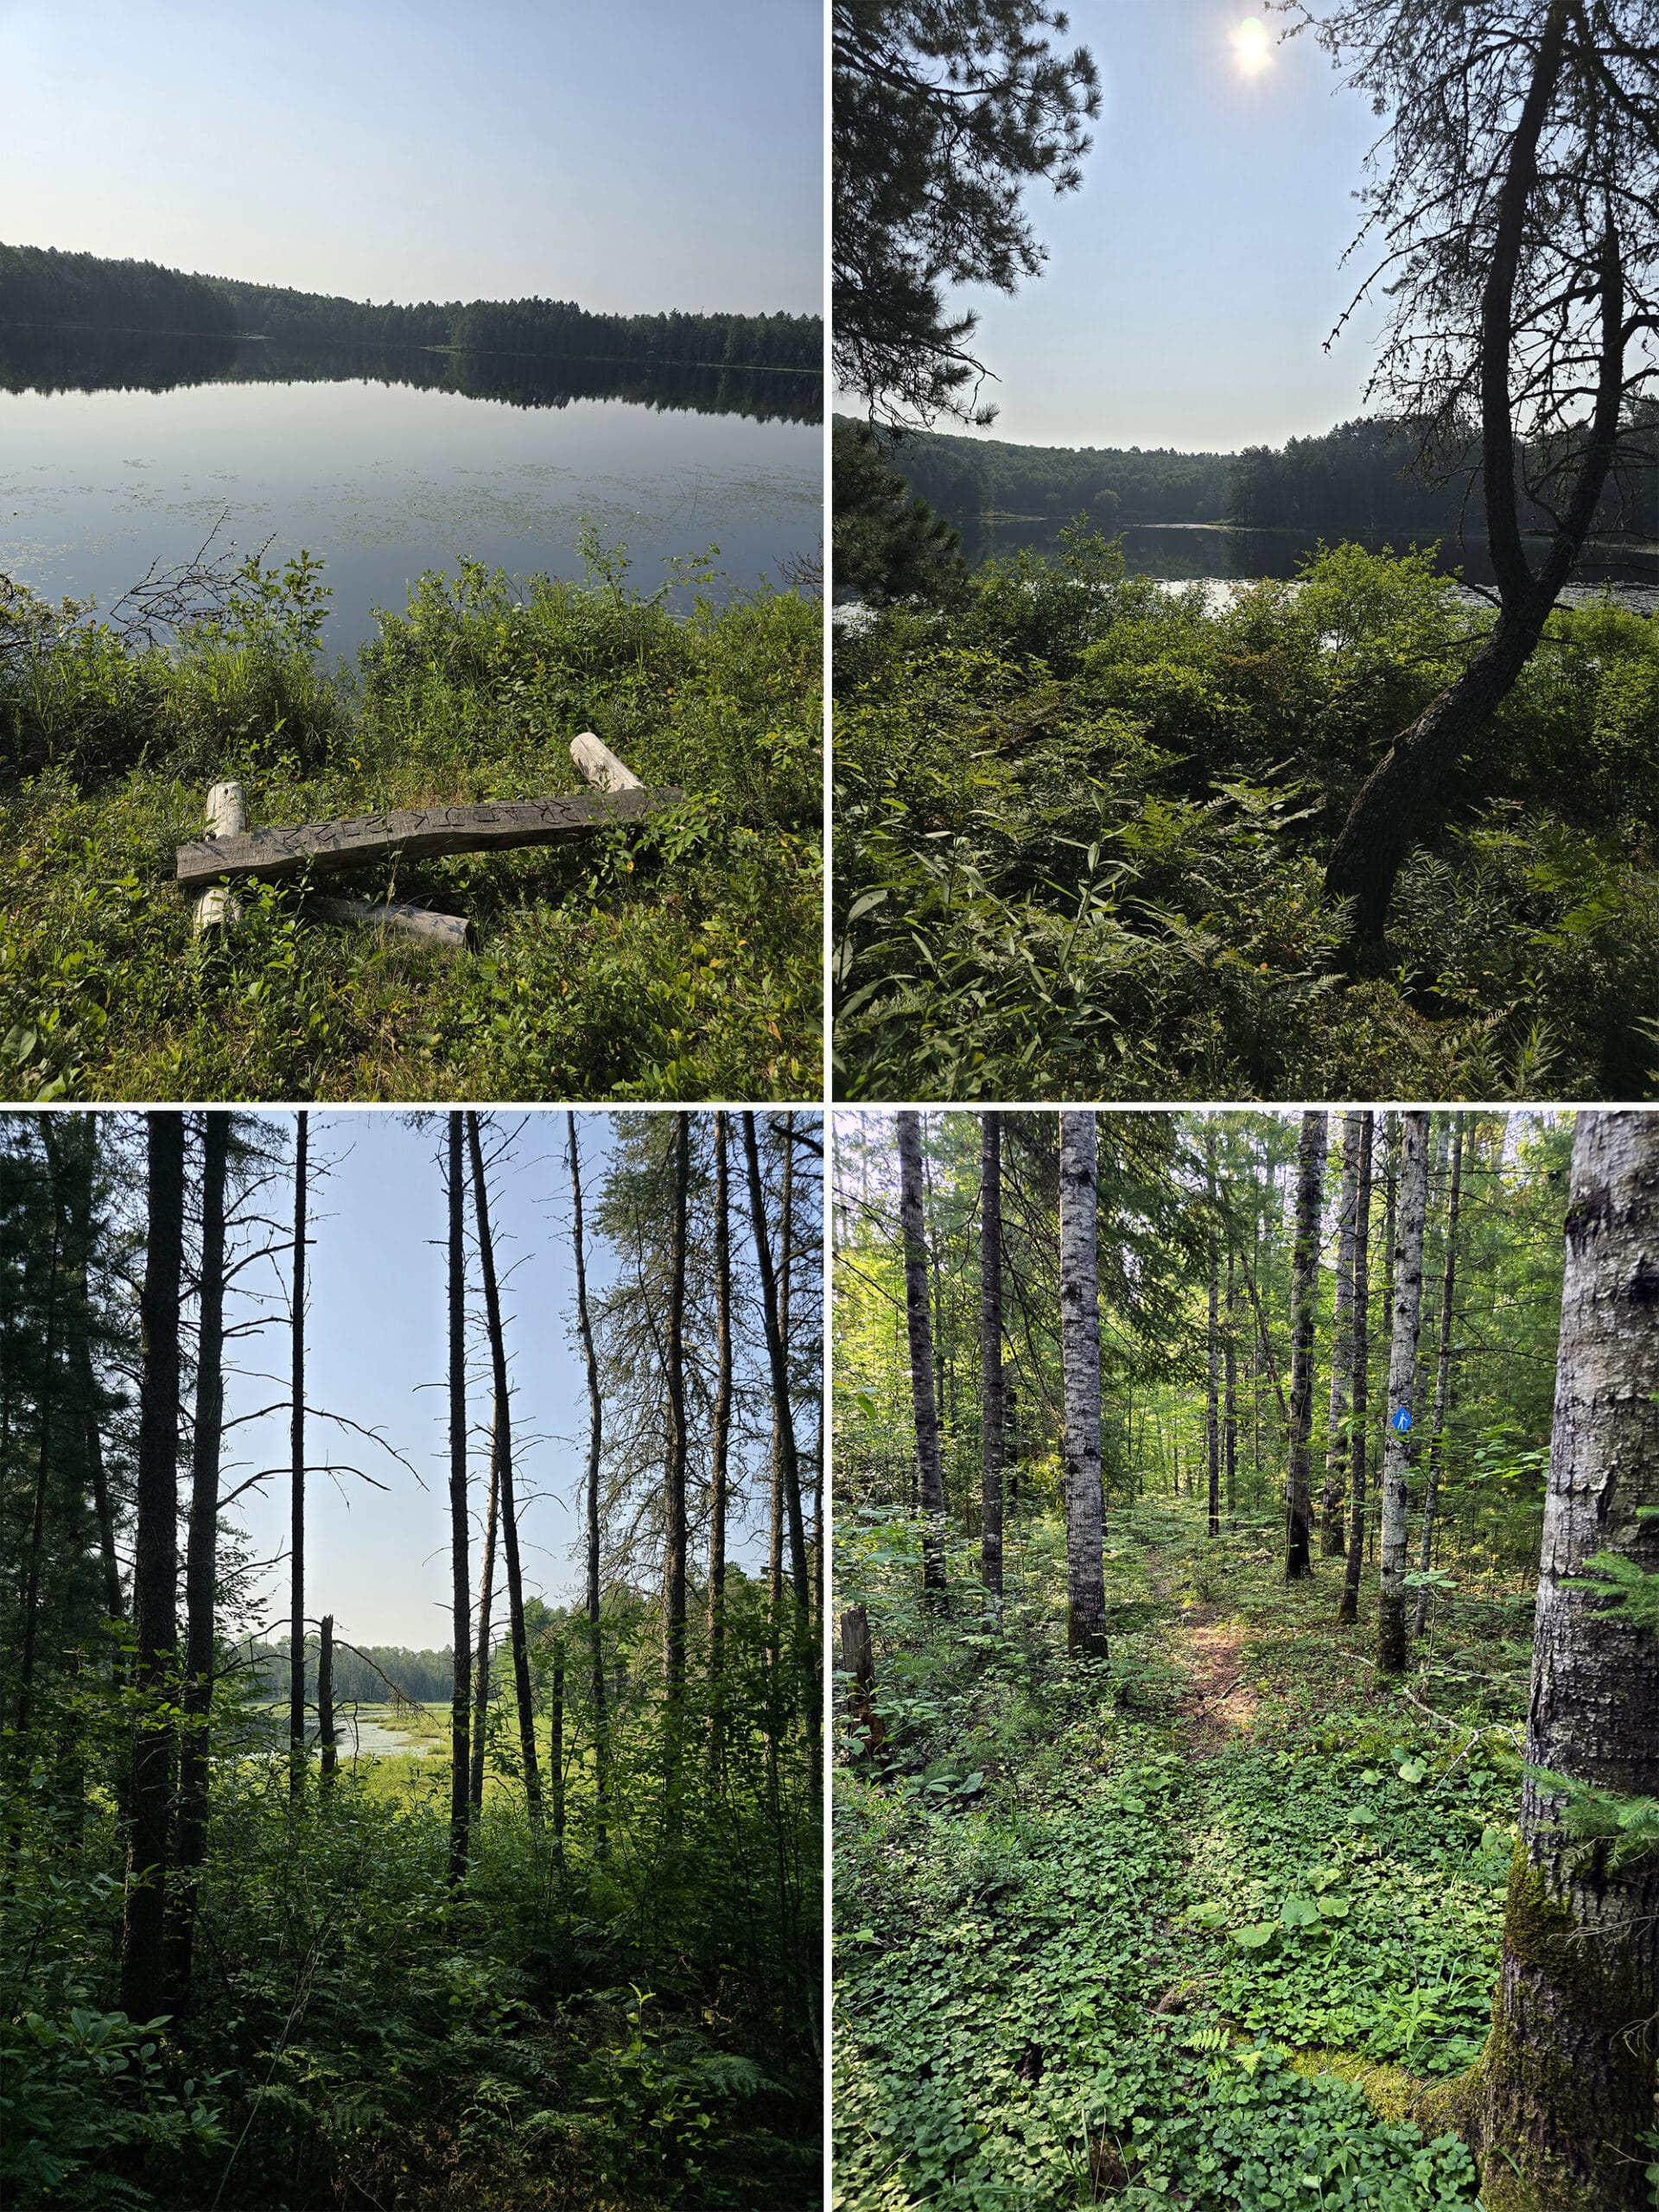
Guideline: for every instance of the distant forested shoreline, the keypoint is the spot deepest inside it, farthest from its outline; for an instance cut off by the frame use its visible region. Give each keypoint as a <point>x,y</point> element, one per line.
<point>43,288</point>
<point>1349,479</point>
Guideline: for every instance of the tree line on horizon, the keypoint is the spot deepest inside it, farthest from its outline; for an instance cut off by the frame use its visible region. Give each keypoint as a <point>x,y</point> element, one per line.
<point>41,286</point>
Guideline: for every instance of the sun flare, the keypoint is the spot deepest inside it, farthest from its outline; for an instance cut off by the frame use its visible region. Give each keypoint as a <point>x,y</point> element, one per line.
<point>1252,46</point>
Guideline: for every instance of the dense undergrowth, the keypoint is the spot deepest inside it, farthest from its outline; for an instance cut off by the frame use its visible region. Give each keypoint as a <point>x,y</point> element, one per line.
<point>1082,824</point>
<point>1192,1926</point>
<point>624,2028</point>
<point>680,960</point>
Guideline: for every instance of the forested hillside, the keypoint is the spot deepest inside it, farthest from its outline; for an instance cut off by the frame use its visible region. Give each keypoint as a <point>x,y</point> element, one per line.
<point>551,1942</point>
<point>1228,1812</point>
<point>41,286</point>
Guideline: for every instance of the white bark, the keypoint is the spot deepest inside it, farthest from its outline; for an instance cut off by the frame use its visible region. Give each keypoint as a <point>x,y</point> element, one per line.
<point>1411,1207</point>
<point>1342,1343</point>
<point>227,816</point>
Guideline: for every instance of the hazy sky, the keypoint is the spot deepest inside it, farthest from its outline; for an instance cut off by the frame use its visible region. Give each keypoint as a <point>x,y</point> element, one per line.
<point>1194,278</point>
<point>378,1352</point>
<point>637,156</point>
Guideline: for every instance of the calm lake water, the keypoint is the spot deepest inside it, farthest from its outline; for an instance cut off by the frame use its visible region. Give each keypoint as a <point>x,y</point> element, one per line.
<point>115,453</point>
<point>1209,553</point>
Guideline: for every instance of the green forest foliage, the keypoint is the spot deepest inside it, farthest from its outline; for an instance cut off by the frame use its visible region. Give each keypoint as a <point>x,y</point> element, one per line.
<point>1082,824</point>
<point>1200,1920</point>
<point>38,285</point>
<point>681,960</point>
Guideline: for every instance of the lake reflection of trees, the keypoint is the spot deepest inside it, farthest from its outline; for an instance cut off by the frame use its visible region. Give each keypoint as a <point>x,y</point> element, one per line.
<point>82,361</point>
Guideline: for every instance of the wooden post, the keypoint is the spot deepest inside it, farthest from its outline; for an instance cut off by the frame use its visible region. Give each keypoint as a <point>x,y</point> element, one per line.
<point>227,816</point>
<point>600,765</point>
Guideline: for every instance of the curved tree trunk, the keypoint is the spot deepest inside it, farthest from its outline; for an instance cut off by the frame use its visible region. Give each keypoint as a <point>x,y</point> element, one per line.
<point>1561,2097</point>
<point>990,1352</point>
<point>1348,1606</point>
<point>930,1477</point>
<point>1402,1375</point>
<point>1304,1307</point>
<point>1086,1592</point>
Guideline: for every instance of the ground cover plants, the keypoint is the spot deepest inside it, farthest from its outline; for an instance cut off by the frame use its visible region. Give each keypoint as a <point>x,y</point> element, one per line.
<point>679,960</point>
<point>1082,825</point>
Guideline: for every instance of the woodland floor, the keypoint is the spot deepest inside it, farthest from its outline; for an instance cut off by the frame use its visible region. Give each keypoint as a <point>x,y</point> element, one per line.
<point>1189,1927</point>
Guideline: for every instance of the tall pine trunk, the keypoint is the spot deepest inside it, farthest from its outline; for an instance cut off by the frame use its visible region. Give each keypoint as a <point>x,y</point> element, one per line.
<point>990,1352</point>
<point>1085,1612</point>
<point>1212,1394</point>
<point>1348,1608</point>
<point>481,1669</point>
<point>1442,1377</point>
<point>501,1455</point>
<point>1402,1374</point>
<point>595,1438</point>
<point>929,1473</point>
<point>1341,1345</point>
<point>297,1479</point>
<point>674,1486</point>
<point>462,1596</point>
<point>720,1447</point>
<point>1562,2096</point>
<point>1229,1403</point>
<point>1304,1308</point>
<point>155,1571</point>
<point>200,1573</point>
<point>42,1448</point>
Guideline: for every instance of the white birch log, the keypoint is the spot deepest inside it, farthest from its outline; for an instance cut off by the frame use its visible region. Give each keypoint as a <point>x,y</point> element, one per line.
<point>453,933</point>
<point>600,765</point>
<point>227,816</point>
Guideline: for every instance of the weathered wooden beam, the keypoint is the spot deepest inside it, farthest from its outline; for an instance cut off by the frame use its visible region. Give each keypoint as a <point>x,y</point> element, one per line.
<point>600,765</point>
<point>413,833</point>
<point>452,932</point>
<point>227,816</point>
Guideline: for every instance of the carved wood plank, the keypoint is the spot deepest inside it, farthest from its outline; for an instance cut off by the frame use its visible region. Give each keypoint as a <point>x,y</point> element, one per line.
<point>415,833</point>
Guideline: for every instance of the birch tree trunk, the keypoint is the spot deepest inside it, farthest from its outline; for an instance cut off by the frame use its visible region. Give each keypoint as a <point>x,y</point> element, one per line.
<point>1442,1377</point>
<point>1411,1207</point>
<point>1305,1300</point>
<point>1562,2095</point>
<point>990,1352</point>
<point>1213,1401</point>
<point>155,1571</point>
<point>297,1479</point>
<point>1348,1606</point>
<point>1080,1358</point>
<point>595,1436</point>
<point>462,1596</point>
<point>930,1477</point>
<point>1341,1345</point>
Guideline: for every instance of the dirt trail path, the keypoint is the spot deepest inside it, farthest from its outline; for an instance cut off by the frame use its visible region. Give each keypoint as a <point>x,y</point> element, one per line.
<point>1218,1704</point>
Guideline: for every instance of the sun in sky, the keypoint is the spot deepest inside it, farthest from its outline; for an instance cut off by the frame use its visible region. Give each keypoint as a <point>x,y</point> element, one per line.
<point>1252,46</point>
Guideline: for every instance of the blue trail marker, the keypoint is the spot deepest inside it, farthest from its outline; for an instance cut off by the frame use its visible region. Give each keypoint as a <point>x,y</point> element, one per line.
<point>1400,1421</point>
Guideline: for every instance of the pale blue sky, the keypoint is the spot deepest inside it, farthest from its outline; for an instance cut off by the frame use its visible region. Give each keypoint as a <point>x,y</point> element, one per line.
<point>1194,278</point>
<point>636,156</point>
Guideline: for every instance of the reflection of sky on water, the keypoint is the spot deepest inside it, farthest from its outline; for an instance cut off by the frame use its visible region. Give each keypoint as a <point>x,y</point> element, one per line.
<point>384,482</point>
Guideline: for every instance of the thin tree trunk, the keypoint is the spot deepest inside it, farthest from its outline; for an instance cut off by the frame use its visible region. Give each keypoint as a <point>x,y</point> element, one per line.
<point>296,1480</point>
<point>481,1668</point>
<point>1080,1361</point>
<point>155,1572</point>
<point>1230,1404</point>
<point>1442,1377</point>
<point>42,1450</point>
<point>1402,1371</point>
<point>1212,1405</point>
<point>674,1499</point>
<point>1305,1300</point>
<point>1342,1344</point>
<point>1561,2098</point>
<point>555,1744</point>
<point>200,1563</point>
<point>990,1352</point>
<point>777,1353</point>
<point>721,1447</point>
<point>930,1474</point>
<point>501,1454</point>
<point>326,1698</point>
<point>1348,1607</point>
<point>596,1434</point>
<point>462,1596</point>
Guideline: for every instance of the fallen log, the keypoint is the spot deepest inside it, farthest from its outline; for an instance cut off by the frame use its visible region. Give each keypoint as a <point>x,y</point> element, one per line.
<point>600,765</point>
<point>413,833</point>
<point>227,815</point>
<point>452,932</point>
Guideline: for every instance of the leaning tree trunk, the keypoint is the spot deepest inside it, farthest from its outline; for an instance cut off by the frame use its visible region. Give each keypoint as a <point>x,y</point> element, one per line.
<point>595,1437</point>
<point>1085,1589</point>
<point>1304,1307</point>
<point>200,1563</point>
<point>462,1596</point>
<point>297,1481</point>
<point>1401,789</point>
<point>1359,1396</point>
<point>1342,1344</point>
<point>990,1352</point>
<point>720,1447</point>
<point>1212,1397</point>
<point>1562,2096</point>
<point>930,1474</point>
<point>501,1460</point>
<point>1402,1375</point>
<point>1442,1380</point>
<point>155,1572</point>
